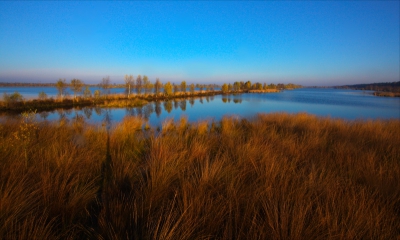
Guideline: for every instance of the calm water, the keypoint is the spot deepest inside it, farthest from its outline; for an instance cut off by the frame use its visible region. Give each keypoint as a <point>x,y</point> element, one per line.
<point>347,104</point>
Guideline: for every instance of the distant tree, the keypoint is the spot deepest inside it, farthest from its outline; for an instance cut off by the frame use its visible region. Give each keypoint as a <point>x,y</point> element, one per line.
<point>280,86</point>
<point>247,85</point>
<point>168,89</point>
<point>258,86</point>
<point>106,84</point>
<point>225,88</point>
<point>230,87</point>
<point>265,86</point>
<point>201,87</point>
<point>183,86</point>
<point>236,86</point>
<point>42,95</point>
<point>147,84</point>
<point>76,86</point>
<point>139,84</point>
<point>191,88</point>
<point>157,86</point>
<point>128,83</point>
<point>61,85</point>
<point>87,93</point>
<point>272,86</point>
<point>176,89</point>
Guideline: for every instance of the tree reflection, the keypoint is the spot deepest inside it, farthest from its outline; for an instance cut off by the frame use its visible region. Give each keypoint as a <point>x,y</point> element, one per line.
<point>201,100</point>
<point>148,110</point>
<point>191,101</point>
<point>176,104</point>
<point>182,105</point>
<point>98,110</point>
<point>157,108</point>
<point>168,106</point>
<point>88,112</point>
<point>130,111</point>
<point>224,99</point>
<point>237,100</point>
<point>139,111</point>
<point>62,116</point>
<point>44,115</point>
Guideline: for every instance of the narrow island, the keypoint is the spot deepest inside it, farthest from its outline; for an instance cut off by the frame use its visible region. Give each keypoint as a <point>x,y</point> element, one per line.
<point>137,93</point>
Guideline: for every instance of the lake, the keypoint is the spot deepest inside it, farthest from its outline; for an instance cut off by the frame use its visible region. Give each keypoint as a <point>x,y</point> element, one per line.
<point>336,103</point>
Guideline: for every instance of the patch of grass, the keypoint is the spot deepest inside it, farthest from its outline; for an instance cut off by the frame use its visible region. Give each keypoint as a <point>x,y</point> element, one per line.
<point>387,94</point>
<point>275,176</point>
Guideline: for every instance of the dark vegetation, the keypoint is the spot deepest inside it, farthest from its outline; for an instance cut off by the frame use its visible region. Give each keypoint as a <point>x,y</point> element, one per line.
<point>275,176</point>
<point>386,89</point>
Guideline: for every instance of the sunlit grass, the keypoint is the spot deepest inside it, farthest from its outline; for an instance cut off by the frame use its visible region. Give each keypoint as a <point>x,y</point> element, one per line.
<point>275,176</point>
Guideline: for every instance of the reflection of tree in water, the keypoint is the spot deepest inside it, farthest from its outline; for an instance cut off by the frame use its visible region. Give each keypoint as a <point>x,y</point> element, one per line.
<point>237,100</point>
<point>157,107</point>
<point>201,100</point>
<point>191,101</point>
<point>229,100</point>
<point>182,105</point>
<point>211,98</point>
<point>62,115</point>
<point>168,106</point>
<point>98,111</point>
<point>176,104</point>
<point>44,115</point>
<point>107,119</point>
<point>148,110</point>
<point>68,111</point>
<point>88,112</point>
<point>224,99</point>
<point>130,111</point>
<point>139,111</point>
<point>207,98</point>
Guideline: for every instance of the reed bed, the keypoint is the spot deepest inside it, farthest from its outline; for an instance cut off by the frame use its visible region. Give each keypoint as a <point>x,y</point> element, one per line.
<point>275,176</point>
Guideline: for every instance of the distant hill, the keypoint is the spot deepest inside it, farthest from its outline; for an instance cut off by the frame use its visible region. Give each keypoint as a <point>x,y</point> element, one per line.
<point>383,87</point>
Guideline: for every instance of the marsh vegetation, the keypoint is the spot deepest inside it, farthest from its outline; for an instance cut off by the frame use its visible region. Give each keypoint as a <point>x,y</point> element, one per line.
<point>275,176</point>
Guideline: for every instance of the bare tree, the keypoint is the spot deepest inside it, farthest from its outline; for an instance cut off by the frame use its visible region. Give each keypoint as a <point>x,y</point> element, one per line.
<point>157,86</point>
<point>76,86</point>
<point>129,83</point>
<point>139,85</point>
<point>105,84</point>
<point>61,85</point>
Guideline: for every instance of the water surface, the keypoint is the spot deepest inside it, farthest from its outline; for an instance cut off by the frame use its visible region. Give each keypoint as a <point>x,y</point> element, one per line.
<point>336,103</point>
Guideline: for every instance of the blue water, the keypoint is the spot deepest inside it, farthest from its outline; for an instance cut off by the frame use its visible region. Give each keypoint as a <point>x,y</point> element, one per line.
<point>336,103</point>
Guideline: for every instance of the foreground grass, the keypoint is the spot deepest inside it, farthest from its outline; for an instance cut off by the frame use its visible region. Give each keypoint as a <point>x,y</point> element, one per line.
<point>276,176</point>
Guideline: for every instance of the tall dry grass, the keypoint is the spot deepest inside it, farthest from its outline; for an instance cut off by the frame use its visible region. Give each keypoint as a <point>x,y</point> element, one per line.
<point>276,176</point>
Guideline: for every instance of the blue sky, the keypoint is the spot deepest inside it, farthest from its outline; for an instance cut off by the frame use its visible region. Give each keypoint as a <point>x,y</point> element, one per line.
<point>309,43</point>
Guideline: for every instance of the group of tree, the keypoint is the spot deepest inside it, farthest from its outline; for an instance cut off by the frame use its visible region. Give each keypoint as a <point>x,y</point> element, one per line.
<point>246,86</point>
<point>142,85</point>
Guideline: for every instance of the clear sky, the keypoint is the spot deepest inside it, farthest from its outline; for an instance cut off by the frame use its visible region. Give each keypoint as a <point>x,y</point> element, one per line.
<point>309,43</point>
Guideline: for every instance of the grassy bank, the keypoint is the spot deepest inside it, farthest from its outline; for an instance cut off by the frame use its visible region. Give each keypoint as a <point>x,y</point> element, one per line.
<point>276,176</point>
